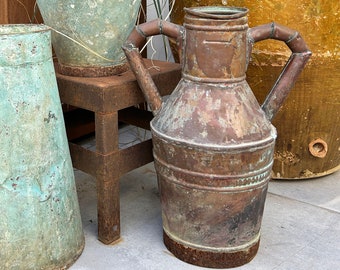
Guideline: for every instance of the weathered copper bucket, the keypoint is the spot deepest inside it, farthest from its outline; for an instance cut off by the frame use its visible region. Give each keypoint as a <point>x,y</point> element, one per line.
<point>213,144</point>
<point>87,35</point>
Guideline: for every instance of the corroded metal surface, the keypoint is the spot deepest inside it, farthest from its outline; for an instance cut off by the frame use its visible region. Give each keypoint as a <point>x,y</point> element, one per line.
<point>112,99</point>
<point>40,224</point>
<point>212,259</point>
<point>92,71</point>
<point>89,34</point>
<point>213,144</point>
<point>209,207</point>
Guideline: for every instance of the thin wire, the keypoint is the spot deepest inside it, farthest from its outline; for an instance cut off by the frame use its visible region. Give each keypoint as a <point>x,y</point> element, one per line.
<point>85,47</point>
<point>27,13</point>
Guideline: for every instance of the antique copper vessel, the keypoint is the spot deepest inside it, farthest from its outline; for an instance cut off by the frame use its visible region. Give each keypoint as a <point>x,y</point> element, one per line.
<point>213,143</point>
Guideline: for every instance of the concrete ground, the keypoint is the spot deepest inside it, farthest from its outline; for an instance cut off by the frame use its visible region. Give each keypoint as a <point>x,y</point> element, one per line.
<point>300,227</point>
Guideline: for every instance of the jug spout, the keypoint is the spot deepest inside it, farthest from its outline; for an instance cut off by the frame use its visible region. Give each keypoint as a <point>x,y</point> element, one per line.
<point>294,66</point>
<point>149,88</point>
<point>130,48</point>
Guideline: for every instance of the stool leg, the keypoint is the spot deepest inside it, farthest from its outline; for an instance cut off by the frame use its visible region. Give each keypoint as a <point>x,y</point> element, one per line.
<point>108,207</point>
<point>107,177</point>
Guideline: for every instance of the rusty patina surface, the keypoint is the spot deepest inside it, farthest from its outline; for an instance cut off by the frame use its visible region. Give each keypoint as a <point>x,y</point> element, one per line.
<point>213,143</point>
<point>113,99</point>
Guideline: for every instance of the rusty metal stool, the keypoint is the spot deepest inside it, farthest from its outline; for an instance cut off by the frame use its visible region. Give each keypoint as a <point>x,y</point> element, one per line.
<point>112,100</point>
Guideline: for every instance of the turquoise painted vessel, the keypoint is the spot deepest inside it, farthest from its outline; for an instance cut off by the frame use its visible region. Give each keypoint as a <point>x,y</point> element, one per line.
<point>88,35</point>
<point>40,224</point>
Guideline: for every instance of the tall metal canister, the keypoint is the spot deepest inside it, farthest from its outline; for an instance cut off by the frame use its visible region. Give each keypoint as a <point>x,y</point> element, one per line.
<point>40,224</point>
<point>213,143</point>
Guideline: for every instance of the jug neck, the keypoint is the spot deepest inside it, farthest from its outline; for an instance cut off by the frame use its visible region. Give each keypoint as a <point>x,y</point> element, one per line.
<point>215,44</point>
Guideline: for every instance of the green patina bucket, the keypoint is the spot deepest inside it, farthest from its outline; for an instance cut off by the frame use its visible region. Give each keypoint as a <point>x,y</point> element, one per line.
<point>40,224</point>
<point>88,35</point>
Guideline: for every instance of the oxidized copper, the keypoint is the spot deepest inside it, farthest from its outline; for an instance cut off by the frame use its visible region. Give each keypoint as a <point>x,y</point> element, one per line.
<point>213,144</point>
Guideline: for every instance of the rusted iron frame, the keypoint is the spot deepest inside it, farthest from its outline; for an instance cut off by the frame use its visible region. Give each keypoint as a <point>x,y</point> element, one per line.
<point>108,98</point>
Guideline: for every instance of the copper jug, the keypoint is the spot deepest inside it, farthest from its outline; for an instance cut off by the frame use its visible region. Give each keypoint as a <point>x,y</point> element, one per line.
<point>212,142</point>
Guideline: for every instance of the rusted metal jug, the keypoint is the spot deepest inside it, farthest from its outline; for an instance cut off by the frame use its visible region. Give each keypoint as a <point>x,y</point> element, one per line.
<point>213,143</point>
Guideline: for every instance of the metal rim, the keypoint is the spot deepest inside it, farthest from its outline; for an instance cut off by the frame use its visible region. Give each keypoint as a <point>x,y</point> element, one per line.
<point>21,29</point>
<point>217,12</point>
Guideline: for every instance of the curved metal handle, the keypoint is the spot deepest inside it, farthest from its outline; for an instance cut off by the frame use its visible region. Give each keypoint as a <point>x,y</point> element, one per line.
<point>130,48</point>
<point>294,66</point>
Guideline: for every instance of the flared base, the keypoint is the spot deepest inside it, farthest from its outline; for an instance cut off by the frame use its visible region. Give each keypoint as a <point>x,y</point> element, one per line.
<point>93,71</point>
<point>210,259</point>
<point>70,261</point>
